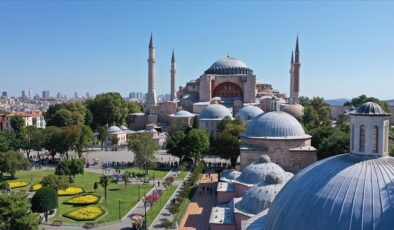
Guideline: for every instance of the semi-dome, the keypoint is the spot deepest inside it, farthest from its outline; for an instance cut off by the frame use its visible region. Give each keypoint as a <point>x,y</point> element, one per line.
<point>258,198</point>
<point>249,112</point>
<point>229,174</point>
<point>114,130</point>
<point>183,113</point>
<point>215,111</point>
<point>349,191</point>
<point>369,108</point>
<point>228,65</point>
<point>258,171</point>
<point>296,110</point>
<point>274,124</point>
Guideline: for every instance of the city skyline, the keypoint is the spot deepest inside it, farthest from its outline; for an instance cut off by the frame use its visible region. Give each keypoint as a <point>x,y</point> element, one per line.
<point>66,48</point>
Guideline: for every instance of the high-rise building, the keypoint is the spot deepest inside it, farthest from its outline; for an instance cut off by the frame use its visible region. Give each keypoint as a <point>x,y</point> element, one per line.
<point>87,95</point>
<point>4,94</point>
<point>24,96</point>
<point>45,94</point>
<point>76,95</point>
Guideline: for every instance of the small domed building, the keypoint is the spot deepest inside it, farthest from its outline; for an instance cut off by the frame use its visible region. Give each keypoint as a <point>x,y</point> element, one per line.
<point>181,118</point>
<point>348,191</point>
<point>280,136</point>
<point>242,195</point>
<point>115,132</point>
<point>247,113</point>
<point>211,115</point>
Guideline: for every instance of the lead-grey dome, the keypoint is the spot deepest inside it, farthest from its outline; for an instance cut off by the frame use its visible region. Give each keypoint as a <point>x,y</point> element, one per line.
<point>114,130</point>
<point>229,175</point>
<point>183,113</point>
<point>215,111</point>
<point>346,191</point>
<point>258,198</point>
<point>258,171</point>
<point>274,124</point>
<point>249,112</point>
<point>296,110</point>
<point>228,65</point>
<point>369,108</point>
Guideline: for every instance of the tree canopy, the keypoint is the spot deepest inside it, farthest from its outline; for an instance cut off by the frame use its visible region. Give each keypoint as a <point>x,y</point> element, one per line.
<point>44,200</point>
<point>55,182</point>
<point>17,123</point>
<point>66,114</point>
<point>355,102</point>
<point>12,161</point>
<point>15,212</point>
<point>144,147</point>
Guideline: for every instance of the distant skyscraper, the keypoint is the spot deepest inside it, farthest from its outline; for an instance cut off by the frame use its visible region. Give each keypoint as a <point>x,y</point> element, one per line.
<point>24,96</point>
<point>58,96</point>
<point>4,94</point>
<point>87,95</point>
<point>29,94</point>
<point>45,94</point>
<point>76,95</point>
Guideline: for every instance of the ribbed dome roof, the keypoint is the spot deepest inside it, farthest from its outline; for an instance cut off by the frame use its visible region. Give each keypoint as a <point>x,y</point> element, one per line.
<point>249,112</point>
<point>257,172</point>
<point>215,111</point>
<point>228,62</point>
<point>274,124</point>
<point>370,108</point>
<point>347,191</point>
<point>258,198</point>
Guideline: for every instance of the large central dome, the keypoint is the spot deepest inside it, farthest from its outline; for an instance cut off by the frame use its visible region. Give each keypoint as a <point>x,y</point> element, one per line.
<point>228,65</point>
<point>229,62</point>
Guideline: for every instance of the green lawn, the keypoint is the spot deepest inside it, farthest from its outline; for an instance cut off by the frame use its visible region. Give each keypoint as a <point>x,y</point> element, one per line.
<point>116,192</point>
<point>158,206</point>
<point>157,174</point>
<point>181,175</point>
<point>392,131</point>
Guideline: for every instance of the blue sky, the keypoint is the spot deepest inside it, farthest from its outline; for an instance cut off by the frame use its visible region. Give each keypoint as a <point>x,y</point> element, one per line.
<point>347,48</point>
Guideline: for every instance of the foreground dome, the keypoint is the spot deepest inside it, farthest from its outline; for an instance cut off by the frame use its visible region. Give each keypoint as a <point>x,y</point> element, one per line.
<point>215,111</point>
<point>370,108</point>
<point>348,191</point>
<point>249,112</point>
<point>274,124</point>
<point>183,113</point>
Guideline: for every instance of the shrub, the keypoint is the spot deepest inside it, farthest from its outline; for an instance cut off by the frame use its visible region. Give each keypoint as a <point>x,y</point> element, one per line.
<point>44,200</point>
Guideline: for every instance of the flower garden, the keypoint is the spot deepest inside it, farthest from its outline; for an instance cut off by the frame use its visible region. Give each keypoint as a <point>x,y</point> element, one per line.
<point>18,184</point>
<point>86,213</point>
<point>83,199</point>
<point>70,191</point>
<point>36,187</point>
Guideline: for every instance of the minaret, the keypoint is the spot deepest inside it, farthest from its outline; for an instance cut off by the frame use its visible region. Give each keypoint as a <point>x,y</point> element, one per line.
<point>151,100</point>
<point>296,66</point>
<point>173,77</point>
<point>291,71</point>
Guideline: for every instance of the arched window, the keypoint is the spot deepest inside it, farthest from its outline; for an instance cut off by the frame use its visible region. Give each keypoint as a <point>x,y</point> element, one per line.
<point>386,138</point>
<point>362,139</point>
<point>352,137</point>
<point>375,139</point>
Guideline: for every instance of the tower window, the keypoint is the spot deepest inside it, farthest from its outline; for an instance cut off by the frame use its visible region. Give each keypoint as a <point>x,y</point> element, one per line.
<point>362,139</point>
<point>386,138</point>
<point>353,137</point>
<point>375,139</point>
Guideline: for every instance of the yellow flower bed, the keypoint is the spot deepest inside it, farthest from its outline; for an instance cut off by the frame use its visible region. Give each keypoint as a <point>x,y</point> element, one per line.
<point>83,199</point>
<point>17,184</point>
<point>36,187</point>
<point>70,191</point>
<point>86,213</point>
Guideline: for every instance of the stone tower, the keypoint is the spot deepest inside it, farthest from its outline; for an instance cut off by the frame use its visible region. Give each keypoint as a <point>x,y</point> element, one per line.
<point>173,77</point>
<point>296,74</point>
<point>291,71</point>
<point>151,99</point>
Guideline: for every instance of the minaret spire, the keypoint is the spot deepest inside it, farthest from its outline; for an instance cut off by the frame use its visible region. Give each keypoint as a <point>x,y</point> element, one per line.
<point>151,100</point>
<point>173,77</point>
<point>291,71</point>
<point>296,74</point>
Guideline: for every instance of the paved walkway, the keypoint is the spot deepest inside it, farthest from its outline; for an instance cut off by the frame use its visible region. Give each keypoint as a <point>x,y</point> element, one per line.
<point>199,210</point>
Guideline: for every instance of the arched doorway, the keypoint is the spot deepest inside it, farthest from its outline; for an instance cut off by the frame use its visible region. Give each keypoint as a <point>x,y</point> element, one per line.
<point>228,90</point>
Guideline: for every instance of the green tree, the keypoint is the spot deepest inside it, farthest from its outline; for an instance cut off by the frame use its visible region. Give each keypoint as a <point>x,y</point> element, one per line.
<point>15,213</point>
<point>17,123</point>
<point>70,168</point>
<point>134,107</point>
<point>12,161</point>
<point>227,142</point>
<point>107,109</point>
<point>44,200</point>
<point>69,136</point>
<point>52,136</point>
<point>222,124</point>
<point>4,141</point>
<point>95,186</point>
<point>66,114</point>
<point>104,182</point>
<point>55,182</point>
<point>197,143</point>
<point>196,124</point>
<point>125,178</point>
<point>102,134</point>
<point>337,143</point>
<point>32,139</point>
<point>175,144</point>
<point>316,113</point>
<point>357,101</point>
<point>144,148</point>
<point>84,140</point>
